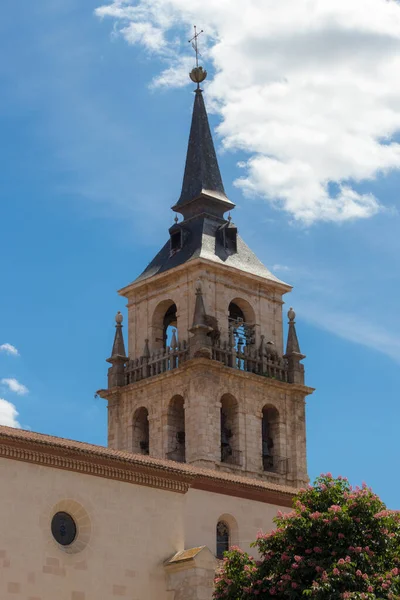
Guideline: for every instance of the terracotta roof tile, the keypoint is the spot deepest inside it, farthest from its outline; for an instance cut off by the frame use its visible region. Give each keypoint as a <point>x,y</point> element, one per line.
<point>139,460</point>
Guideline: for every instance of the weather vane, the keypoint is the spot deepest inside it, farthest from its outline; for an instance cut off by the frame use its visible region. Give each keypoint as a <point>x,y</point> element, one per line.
<point>198,74</point>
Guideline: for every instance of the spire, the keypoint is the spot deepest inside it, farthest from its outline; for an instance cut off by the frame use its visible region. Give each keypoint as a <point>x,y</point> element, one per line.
<point>200,343</point>
<point>202,188</point>
<point>118,349</point>
<point>292,346</point>
<point>293,354</point>
<point>199,316</point>
<point>116,374</point>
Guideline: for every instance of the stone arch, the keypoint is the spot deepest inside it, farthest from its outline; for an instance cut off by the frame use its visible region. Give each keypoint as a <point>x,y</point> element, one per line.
<point>226,534</point>
<point>230,452</point>
<point>176,449</point>
<point>140,431</point>
<point>164,321</point>
<point>241,322</point>
<point>272,459</point>
<point>245,308</point>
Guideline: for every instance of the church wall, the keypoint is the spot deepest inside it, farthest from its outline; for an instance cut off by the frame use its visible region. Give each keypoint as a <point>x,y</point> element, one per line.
<point>203,510</point>
<point>128,533</point>
<point>133,530</point>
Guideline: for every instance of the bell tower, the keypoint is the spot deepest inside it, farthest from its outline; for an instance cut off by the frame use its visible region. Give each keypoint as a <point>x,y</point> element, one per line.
<point>206,379</point>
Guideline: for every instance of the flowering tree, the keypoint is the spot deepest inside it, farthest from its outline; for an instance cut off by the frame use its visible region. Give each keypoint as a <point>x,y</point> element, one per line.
<point>338,542</point>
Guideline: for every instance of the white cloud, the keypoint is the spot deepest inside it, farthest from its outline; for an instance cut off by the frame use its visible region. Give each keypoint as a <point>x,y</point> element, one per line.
<point>308,89</point>
<point>350,327</point>
<point>9,349</point>
<point>8,414</point>
<point>15,386</point>
<point>281,268</point>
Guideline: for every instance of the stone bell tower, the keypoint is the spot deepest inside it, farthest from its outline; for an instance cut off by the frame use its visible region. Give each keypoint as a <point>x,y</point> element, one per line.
<point>206,379</point>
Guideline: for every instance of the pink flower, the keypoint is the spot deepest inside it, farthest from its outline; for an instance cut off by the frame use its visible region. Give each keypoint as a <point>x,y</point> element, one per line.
<point>294,585</point>
<point>340,536</point>
<point>336,571</point>
<point>298,558</point>
<point>317,550</point>
<point>341,561</point>
<point>370,589</point>
<point>315,515</point>
<point>358,573</point>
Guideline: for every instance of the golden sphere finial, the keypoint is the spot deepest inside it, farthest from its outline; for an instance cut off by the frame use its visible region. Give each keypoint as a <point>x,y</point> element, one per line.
<point>198,74</point>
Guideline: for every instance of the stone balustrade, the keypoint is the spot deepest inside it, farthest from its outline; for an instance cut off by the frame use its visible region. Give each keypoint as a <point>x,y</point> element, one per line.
<point>263,361</point>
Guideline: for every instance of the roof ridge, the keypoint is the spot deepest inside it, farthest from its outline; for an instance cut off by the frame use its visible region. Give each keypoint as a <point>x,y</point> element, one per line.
<point>126,457</point>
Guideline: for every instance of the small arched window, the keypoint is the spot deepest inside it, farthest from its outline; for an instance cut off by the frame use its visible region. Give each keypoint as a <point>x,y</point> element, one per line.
<point>223,538</point>
<point>140,436</point>
<point>272,460</point>
<point>176,429</point>
<point>229,425</point>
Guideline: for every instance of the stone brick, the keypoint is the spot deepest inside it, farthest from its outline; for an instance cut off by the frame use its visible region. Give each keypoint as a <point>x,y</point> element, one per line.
<point>119,590</point>
<point>13,587</point>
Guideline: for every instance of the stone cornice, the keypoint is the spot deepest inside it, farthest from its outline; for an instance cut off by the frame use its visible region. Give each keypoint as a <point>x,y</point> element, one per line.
<point>94,466</point>
<point>199,364</point>
<point>99,461</point>
<point>212,266</point>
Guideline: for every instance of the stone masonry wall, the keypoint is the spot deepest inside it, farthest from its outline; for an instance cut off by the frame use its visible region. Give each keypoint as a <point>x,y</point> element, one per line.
<point>202,383</point>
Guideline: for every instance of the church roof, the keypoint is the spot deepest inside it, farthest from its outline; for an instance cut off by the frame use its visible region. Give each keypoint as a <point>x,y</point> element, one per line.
<point>100,461</point>
<point>201,240</point>
<point>204,232</point>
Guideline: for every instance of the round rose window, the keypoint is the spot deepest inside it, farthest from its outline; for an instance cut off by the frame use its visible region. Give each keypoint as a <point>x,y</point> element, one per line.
<point>63,528</point>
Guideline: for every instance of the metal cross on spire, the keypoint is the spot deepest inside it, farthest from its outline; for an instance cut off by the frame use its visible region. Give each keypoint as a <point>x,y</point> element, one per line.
<point>198,74</point>
<point>193,41</point>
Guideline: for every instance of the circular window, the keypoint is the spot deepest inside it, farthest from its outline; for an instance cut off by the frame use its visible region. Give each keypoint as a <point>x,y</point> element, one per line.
<point>63,528</point>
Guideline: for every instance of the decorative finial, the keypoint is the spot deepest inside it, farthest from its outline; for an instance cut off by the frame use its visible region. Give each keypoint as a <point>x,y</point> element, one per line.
<point>229,218</point>
<point>291,314</point>
<point>176,219</point>
<point>198,74</point>
<point>198,286</point>
<point>119,318</point>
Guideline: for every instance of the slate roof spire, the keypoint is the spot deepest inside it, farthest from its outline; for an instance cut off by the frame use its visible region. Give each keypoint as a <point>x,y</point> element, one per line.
<point>202,188</point>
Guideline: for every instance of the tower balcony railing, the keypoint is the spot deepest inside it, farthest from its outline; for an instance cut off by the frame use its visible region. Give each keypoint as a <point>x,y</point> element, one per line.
<point>251,359</point>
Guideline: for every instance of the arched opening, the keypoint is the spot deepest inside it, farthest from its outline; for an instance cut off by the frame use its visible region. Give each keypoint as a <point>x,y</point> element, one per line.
<point>241,324</point>
<point>164,323</point>
<point>176,430</point>
<point>140,435</point>
<point>170,326</point>
<point>223,539</point>
<point>230,430</point>
<point>270,441</point>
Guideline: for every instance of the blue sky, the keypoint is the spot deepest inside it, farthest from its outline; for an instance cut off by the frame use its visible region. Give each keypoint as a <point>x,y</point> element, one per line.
<point>92,158</point>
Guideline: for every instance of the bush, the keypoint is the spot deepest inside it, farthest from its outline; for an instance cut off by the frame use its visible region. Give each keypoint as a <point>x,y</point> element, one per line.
<point>338,542</point>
